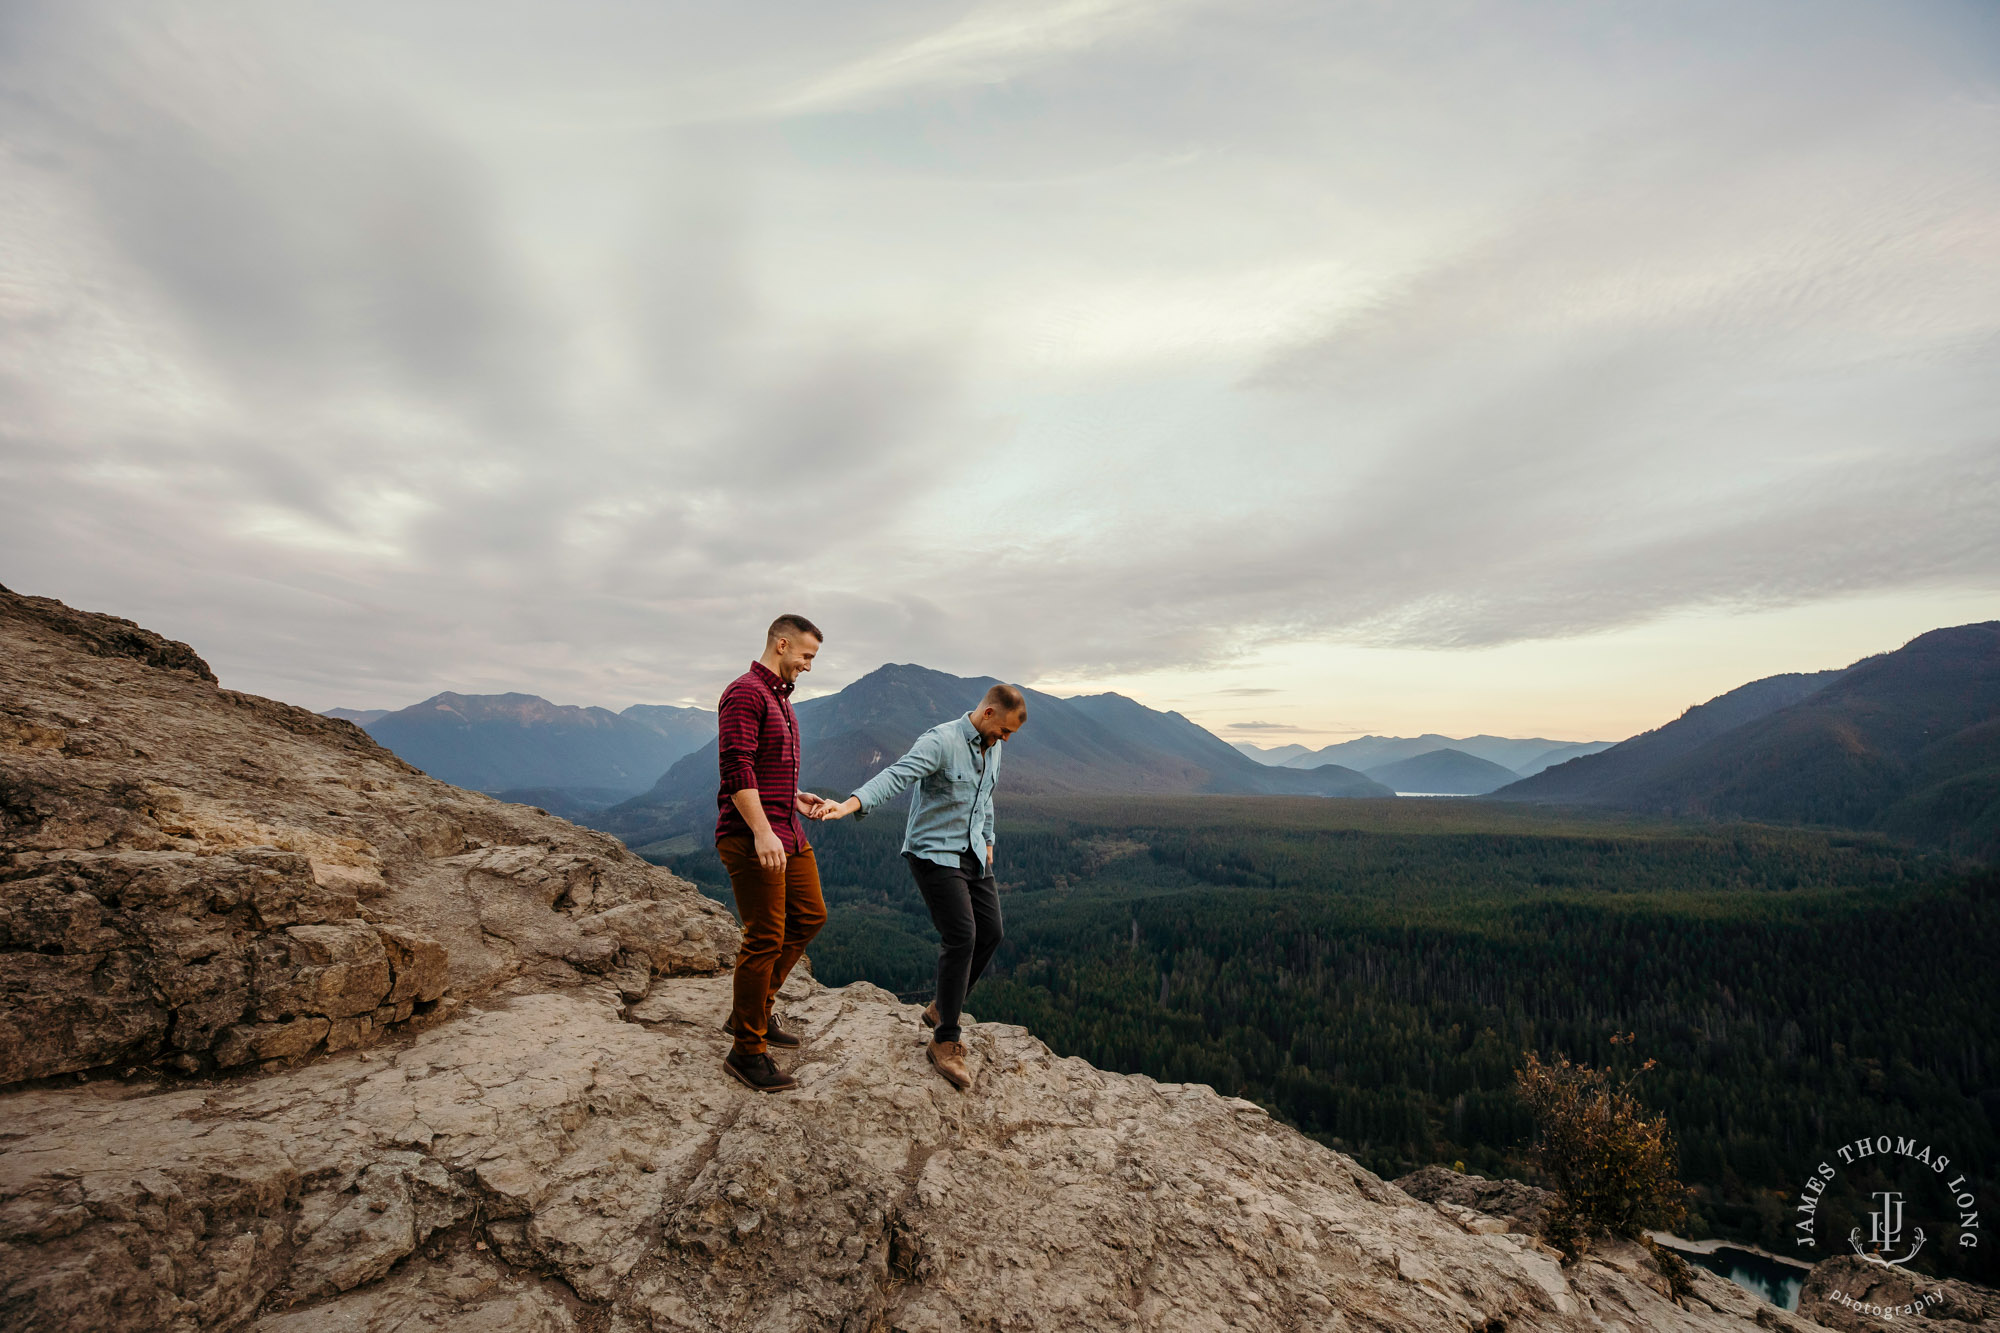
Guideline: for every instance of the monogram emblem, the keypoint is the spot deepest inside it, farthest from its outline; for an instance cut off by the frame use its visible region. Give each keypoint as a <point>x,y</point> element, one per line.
<point>1885,1232</point>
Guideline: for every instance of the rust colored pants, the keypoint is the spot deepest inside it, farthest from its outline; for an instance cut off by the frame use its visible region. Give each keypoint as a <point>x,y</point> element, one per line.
<point>781,912</point>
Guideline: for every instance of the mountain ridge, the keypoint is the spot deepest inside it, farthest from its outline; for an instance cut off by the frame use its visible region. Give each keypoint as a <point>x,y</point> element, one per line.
<point>1524,756</point>
<point>1907,742</point>
<point>1599,778</point>
<point>1444,773</point>
<point>1090,743</point>
<point>516,741</point>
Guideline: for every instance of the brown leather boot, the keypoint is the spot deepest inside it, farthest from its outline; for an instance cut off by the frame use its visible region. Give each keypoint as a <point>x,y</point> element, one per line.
<point>758,1072</point>
<point>949,1057</point>
<point>930,1015</point>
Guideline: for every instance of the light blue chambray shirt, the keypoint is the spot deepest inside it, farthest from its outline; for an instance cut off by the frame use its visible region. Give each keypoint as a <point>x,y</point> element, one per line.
<point>952,811</point>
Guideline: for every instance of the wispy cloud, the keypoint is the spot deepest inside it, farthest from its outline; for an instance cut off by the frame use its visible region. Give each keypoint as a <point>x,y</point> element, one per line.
<point>375,355</point>
<point>990,43</point>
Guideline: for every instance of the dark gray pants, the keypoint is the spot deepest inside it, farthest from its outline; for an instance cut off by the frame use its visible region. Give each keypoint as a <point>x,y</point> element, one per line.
<point>965,908</point>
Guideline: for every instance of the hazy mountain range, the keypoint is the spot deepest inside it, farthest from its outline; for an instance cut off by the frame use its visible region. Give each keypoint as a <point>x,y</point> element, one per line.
<point>1433,765</point>
<point>1522,757</point>
<point>525,748</point>
<point>1906,742</point>
<point>1443,773</point>
<point>574,761</point>
<point>1094,743</point>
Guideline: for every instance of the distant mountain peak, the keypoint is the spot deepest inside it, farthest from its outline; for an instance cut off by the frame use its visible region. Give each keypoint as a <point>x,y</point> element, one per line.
<point>1522,755</point>
<point>1444,772</point>
<point>514,740</point>
<point>360,717</point>
<point>892,672</point>
<point>1087,743</point>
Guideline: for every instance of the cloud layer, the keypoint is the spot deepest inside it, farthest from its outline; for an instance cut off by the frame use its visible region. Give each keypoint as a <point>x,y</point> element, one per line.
<point>560,347</point>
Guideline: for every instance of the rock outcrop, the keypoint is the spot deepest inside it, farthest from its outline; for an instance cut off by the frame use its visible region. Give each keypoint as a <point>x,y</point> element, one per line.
<point>1482,1204</point>
<point>198,878</point>
<point>302,1040</point>
<point>1859,1295</point>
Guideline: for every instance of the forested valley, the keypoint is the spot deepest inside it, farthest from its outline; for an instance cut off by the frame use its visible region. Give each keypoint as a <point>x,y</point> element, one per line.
<point>1373,971</point>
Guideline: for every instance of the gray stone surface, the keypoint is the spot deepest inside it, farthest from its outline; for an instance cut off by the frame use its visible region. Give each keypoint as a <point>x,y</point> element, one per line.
<point>612,1173</point>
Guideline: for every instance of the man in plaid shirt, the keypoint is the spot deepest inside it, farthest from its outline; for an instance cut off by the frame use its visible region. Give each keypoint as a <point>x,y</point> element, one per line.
<point>760,836</point>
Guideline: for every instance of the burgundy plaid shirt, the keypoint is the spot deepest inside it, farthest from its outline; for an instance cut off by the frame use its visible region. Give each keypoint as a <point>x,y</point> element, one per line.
<point>757,737</point>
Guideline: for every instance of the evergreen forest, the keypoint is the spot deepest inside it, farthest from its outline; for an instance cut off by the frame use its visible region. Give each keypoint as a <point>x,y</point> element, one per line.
<point>1374,971</point>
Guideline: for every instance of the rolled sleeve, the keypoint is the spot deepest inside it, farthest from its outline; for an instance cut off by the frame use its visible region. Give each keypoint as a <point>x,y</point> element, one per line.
<point>921,760</point>
<point>738,724</point>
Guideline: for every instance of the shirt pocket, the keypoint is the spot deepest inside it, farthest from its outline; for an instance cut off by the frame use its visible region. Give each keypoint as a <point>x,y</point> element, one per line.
<point>954,778</point>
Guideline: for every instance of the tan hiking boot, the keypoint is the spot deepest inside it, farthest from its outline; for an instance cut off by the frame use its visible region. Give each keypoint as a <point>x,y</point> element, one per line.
<point>949,1057</point>
<point>930,1015</point>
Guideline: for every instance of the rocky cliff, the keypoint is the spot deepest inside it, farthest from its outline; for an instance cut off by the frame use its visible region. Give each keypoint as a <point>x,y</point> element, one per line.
<point>300,1039</point>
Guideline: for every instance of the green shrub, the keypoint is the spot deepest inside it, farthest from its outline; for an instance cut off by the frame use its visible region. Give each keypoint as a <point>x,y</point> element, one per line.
<point>1611,1164</point>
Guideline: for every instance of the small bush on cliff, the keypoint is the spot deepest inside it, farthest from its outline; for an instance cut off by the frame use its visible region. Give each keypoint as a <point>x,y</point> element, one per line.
<point>1611,1163</point>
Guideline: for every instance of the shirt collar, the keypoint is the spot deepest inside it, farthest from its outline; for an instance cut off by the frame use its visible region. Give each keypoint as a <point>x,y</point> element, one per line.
<point>775,683</point>
<point>970,732</point>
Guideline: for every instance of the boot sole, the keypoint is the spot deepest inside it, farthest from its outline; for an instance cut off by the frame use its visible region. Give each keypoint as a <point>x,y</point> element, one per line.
<point>744,1079</point>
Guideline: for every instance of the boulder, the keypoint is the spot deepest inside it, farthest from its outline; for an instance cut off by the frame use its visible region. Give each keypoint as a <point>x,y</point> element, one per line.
<point>1504,1205</point>
<point>1852,1294</point>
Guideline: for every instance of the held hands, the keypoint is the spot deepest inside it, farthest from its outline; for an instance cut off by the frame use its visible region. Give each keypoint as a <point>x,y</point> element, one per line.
<point>819,807</point>
<point>835,809</point>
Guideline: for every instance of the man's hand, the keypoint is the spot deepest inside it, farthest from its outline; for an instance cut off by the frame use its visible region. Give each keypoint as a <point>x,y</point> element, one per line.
<point>839,809</point>
<point>770,852</point>
<point>989,858</point>
<point>810,805</point>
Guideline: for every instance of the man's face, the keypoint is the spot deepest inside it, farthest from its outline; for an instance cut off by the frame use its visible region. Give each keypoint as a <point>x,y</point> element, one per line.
<point>795,656</point>
<point>994,726</point>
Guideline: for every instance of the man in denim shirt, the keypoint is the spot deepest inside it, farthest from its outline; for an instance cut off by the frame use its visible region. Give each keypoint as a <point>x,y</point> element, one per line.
<point>948,842</point>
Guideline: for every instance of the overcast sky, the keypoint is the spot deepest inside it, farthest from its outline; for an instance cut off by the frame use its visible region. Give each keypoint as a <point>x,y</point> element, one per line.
<point>1313,368</point>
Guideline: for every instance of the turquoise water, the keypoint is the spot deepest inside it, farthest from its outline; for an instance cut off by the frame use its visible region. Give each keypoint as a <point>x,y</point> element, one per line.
<point>1766,1279</point>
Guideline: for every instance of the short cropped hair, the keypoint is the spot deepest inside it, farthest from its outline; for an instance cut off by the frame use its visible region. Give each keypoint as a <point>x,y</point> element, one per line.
<point>789,626</point>
<point>1006,699</point>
